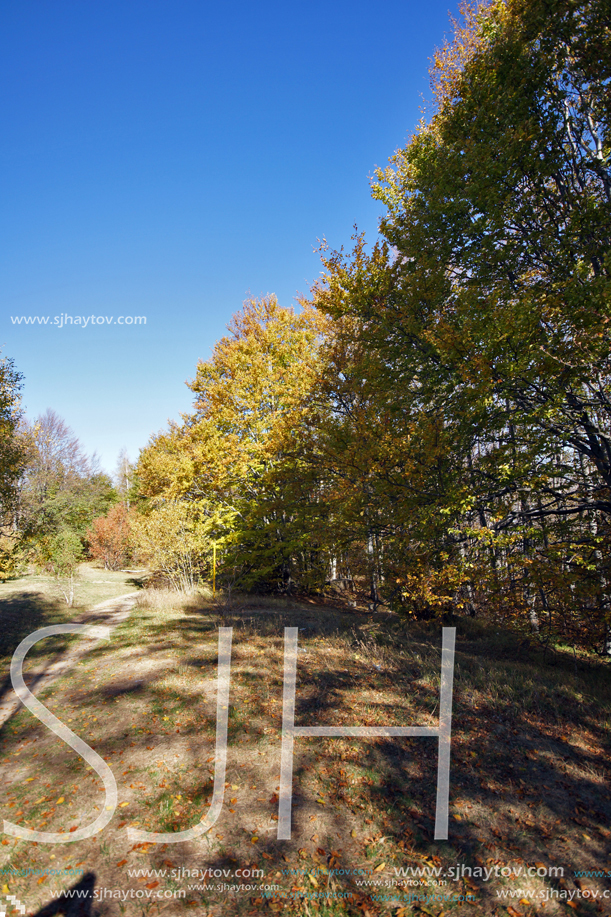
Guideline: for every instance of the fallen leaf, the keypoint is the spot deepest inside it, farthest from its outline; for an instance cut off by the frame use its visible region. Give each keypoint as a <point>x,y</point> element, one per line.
<point>60,800</point>
<point>121,863</point>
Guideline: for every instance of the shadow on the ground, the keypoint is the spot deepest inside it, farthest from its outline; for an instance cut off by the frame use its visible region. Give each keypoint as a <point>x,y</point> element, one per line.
<point>526,792</point>
<point>77,902</point>
<point>138,582</point>
<point>20,615</point>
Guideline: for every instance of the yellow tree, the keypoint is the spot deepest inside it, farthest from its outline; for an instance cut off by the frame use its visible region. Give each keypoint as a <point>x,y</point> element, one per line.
<point>234,455</point>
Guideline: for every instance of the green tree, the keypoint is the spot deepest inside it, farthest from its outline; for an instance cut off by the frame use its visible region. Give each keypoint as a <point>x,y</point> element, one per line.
<point>60,487</point>
<point>11,445</point>
<point>65,552</point>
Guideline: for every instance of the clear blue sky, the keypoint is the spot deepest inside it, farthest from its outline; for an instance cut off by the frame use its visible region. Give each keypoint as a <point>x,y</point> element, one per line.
<point>167,158</point>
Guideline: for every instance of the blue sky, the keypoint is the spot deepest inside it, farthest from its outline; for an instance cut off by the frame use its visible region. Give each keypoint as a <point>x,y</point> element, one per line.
<point>166,159</point>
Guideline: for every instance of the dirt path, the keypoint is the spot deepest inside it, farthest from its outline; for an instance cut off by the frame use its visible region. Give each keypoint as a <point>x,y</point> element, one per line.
<point>111,613</point>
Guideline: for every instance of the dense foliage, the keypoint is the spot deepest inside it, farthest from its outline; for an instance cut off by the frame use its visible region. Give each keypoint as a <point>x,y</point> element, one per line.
<point>436,425</point>
<point>231,461</point>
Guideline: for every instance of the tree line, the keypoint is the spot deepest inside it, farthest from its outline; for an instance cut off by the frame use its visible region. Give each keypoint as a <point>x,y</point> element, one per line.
<point>433,425</point>
<point>57,505</point>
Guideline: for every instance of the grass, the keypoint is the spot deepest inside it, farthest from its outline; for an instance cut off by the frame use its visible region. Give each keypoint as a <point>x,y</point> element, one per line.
<point>32,601</point>
<point>529,773</point>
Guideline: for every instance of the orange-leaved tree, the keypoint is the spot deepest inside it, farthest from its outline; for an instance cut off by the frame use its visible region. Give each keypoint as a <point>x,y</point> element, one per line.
<point>109,538</point>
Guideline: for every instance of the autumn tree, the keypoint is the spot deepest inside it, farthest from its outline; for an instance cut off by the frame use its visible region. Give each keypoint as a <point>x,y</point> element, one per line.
<point>171,540</point>
<point>499,211</point>
<point>232,452</point>
<point>382,444</point>
<point>109,538</point>
<point>490,334</point>
<point>436,422</point>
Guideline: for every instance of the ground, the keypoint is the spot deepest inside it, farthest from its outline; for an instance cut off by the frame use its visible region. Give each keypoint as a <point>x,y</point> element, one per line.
<point>528,787</point>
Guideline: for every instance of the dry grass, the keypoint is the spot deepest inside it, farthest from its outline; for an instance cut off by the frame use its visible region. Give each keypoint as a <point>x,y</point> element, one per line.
<point>529,762</point>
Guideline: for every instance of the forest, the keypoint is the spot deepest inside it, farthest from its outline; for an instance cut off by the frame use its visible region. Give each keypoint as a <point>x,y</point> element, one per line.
<point>430,430</point>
